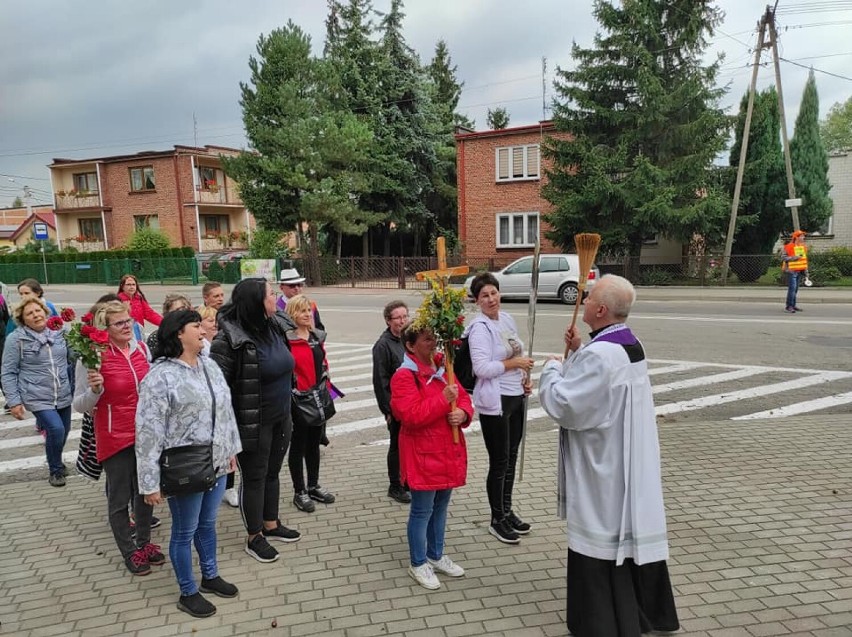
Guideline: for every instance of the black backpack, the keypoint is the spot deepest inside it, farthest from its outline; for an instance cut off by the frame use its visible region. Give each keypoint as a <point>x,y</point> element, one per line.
<point>463,366</point>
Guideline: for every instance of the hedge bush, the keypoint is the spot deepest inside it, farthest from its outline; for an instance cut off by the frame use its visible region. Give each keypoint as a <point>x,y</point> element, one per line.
<point>838,258</point>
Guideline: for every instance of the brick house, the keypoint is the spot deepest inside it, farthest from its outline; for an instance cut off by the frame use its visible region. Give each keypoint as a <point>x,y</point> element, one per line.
<point>183,192</point>
<point>500,177</point>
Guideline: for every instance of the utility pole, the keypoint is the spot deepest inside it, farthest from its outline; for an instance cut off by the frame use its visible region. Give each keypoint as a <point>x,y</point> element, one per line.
<point>735,203</point>
<point>788,165</point>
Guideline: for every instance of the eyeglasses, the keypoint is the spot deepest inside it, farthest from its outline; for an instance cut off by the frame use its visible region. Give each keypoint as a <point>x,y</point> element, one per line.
<point>403,317</point>
<point>121,324</point>
<point>295,285</point>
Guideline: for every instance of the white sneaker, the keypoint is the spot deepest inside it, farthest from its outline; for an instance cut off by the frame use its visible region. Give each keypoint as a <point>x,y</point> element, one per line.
<point>446,566</point>
<point>425,576</point>
<point>232,497</point>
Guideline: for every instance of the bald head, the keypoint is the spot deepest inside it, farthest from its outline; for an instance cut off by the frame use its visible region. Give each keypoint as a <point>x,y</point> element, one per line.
<point>617,295</point>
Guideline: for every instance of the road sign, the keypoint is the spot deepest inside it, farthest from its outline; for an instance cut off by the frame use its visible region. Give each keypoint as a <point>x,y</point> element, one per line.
<point>40,231</point>
<point>789,203</point>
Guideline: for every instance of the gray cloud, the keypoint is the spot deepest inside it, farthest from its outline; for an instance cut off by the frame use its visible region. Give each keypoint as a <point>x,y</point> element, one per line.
<point>96,77</point>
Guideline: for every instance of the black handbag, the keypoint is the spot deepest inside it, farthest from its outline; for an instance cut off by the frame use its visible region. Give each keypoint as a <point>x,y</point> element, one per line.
<point>314,406</point>
<point>189,468</point>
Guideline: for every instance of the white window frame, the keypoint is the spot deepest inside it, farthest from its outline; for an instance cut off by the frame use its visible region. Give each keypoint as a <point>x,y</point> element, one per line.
<point>527,242</point>
<point>525,173</point>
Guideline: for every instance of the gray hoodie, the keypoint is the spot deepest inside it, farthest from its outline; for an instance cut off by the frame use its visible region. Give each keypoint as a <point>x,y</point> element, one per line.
<point>35,373</point>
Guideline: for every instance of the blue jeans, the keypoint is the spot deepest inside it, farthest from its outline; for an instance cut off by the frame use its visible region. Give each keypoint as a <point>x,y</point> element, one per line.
<point>194,520</point>
<point>427,521</point>
<point>56,423</point>
<point>792,287</point>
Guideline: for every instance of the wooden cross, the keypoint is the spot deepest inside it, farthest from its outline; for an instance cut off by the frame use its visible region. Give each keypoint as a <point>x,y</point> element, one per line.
<point>442,276</point>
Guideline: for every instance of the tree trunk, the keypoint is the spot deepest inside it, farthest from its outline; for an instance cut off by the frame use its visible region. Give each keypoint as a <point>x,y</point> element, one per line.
<point>312,268</point>
<point>365,243</point>
<point>386,231</point>
<point>339,244</point>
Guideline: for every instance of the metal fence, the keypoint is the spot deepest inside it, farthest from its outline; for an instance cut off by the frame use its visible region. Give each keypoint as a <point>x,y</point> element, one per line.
<point>104,271</point>
<point>391,273</point>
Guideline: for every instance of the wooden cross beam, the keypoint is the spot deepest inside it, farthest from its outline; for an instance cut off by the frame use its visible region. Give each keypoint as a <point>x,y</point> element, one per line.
<point>443,272</point>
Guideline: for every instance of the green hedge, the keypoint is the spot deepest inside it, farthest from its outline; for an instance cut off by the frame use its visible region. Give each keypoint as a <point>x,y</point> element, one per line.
<point>72,257</point>
<point>836,258</point>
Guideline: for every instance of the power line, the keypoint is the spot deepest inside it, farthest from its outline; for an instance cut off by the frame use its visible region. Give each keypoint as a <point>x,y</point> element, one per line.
<point>812,68</point>
<point>25,177</point>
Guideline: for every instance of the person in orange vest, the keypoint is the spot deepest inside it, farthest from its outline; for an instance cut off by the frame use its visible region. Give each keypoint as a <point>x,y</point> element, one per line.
<point>795,260</point>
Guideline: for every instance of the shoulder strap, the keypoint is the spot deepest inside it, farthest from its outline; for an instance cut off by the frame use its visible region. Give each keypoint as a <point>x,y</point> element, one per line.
<point>212,395</point>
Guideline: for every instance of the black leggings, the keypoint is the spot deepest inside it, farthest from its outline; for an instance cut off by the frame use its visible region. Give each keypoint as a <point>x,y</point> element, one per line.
<point>502,435</point>
<point>259,469</point>
<point>305,446</point>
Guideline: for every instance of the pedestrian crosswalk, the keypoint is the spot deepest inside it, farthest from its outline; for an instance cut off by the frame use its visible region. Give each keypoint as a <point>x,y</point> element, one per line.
<point>683,391</point>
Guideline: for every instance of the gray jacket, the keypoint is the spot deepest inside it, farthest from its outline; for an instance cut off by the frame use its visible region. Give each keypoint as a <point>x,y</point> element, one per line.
<point>36,374</point>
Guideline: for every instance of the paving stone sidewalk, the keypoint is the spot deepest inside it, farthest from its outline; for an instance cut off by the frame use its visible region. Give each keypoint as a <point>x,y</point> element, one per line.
<point>760,521</point>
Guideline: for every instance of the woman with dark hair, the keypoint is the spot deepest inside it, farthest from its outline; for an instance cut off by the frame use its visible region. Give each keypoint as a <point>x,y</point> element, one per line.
<point>140,311</point>
<point>502,383</point>
<point>186,401</point>
<point>431,463</point>
<point>258,368</point>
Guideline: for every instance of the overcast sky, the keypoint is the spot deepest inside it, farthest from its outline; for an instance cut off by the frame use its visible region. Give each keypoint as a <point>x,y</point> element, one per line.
<point>91,78</point>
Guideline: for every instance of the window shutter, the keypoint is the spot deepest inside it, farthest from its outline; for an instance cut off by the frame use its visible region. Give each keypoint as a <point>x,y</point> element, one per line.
<point>518,161</point>
<point>532,161</point>
<point>502,163</point>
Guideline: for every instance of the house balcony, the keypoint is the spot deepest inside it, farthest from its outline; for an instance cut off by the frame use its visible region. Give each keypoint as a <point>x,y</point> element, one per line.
<point>72,201</point>
<point>218,196</point>
<point>84,244</point>
<point>230,241</point>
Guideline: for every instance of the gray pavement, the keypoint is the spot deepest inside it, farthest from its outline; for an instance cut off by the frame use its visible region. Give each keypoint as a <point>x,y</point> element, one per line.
<point>760,525</point>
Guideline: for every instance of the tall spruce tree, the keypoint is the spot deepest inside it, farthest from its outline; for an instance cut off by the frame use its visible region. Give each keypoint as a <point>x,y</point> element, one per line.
<point>303,166</point>
<point>497,118</point>
<point>810,162</point>
<point>642,111</point>
<point>445,91</point>
<point>761,215</point>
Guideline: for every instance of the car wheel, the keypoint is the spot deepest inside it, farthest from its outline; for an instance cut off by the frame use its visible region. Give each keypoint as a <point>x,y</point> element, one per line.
<point>568,294</point>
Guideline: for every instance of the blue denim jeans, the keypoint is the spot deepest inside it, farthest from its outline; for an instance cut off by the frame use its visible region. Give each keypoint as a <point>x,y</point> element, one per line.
<point>194,520</point>
<point>56,423</point>
<point>427,521</point>
<point>792,287</point>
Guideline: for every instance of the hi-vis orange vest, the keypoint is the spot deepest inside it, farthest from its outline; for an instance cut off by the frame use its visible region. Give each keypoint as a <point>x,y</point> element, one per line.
<point>793,250</point>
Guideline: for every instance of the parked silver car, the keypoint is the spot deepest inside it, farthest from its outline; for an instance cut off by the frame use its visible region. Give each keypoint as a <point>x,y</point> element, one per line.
<point>558,277</point>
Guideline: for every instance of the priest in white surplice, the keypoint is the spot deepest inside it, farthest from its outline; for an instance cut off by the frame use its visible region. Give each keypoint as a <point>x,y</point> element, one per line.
<point>609,485</point>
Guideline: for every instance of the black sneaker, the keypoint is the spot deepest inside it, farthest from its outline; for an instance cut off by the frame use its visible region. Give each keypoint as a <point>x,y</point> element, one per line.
<point>56,480</point>
<point>260,550</point>
<point>219,587</point>
<point>64,470</point>
<point>321,495</point>
<point>196,605</point>
<point>155,521</point>
<point>137,563</point>
<point>399,494</point>
<point>303,502</point>
<point>282,534</point>
<point>517,524</point>
<point>503,532</point>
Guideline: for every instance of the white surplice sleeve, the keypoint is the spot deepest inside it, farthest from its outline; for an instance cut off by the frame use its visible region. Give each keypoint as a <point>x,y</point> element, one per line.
<point>576,394</point>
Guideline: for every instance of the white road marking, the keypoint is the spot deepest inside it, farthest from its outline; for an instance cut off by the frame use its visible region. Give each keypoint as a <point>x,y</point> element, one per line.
<point>745,394</point>
<point>701,381</point>
<point>17,443</point>
<point>800,408</point>
<point>34,462</point>
<point>673,369</point>
<point>30,422</point>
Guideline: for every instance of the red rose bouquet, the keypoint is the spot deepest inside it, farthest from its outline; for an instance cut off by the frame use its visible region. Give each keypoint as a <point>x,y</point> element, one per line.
<point>87,341</point>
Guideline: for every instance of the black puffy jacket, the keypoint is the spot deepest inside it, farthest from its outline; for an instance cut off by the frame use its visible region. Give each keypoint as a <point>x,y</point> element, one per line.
<point>235,351</point>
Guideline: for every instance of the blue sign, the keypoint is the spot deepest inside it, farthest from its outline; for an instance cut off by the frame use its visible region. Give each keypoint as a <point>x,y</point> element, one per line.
<point>40,231</point>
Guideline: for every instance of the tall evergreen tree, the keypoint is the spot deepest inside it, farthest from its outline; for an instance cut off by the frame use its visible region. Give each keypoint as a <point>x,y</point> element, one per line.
<point>642,110</point>
<point>446,87</point>
<point>497,119</point>
<point>810,162</point>
<point>761,215</point>
<point>306,150</point>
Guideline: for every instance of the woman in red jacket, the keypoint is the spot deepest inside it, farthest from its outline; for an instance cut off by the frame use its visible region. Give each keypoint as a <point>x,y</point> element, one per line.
<point>431,464</point>
<point>140,311</point>
<point>110,394</point>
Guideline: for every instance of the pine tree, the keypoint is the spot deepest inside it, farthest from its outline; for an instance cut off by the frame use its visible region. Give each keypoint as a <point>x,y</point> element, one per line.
<point>306,150</point>
<point>447,89</point>
<point>646,127</point>
<point>810,162</point>
<point>761,215</point>
<point>836,129</point>
<point>497,119</point>
<point>18,203</point>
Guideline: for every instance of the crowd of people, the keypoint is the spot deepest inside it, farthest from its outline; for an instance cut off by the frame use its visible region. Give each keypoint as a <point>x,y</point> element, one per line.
<point>231,386</point>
